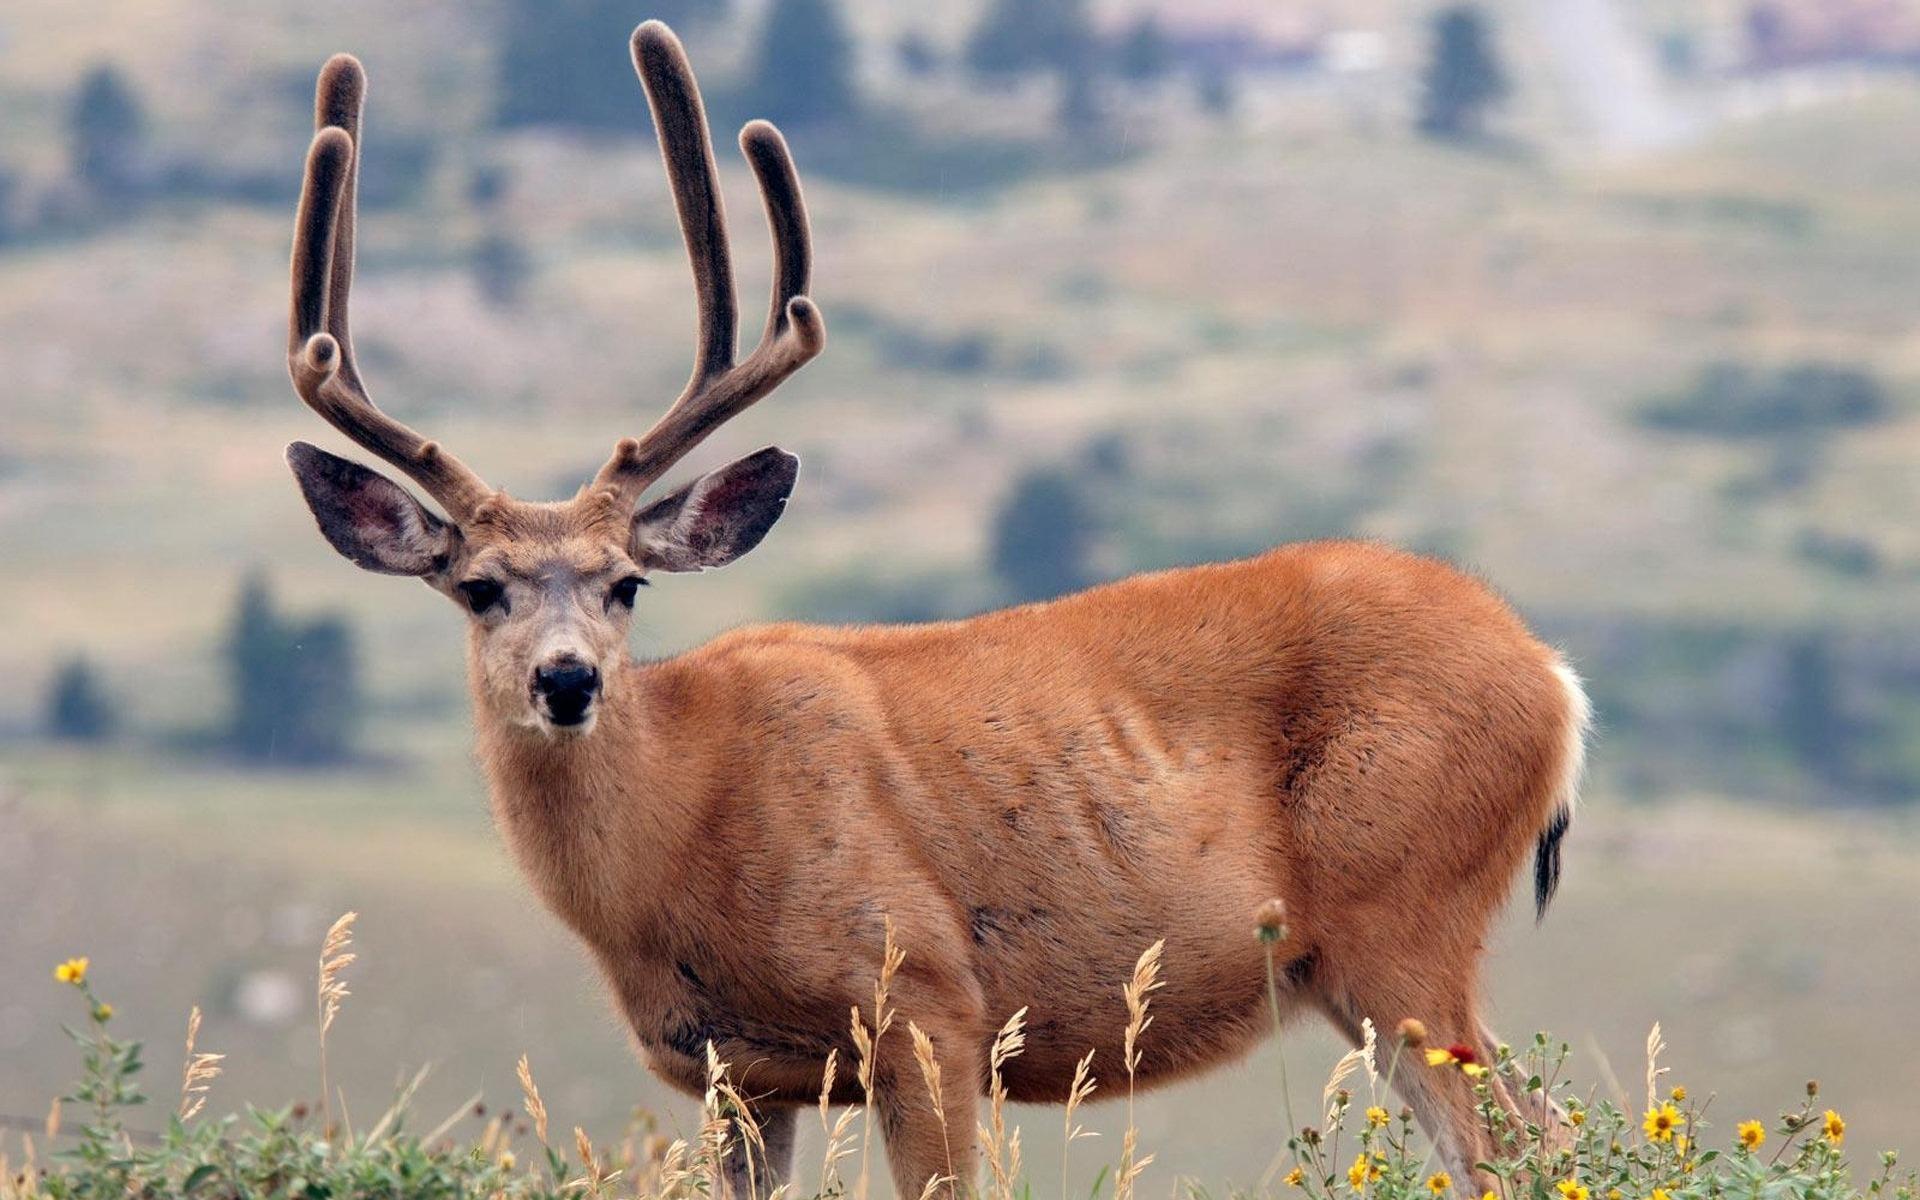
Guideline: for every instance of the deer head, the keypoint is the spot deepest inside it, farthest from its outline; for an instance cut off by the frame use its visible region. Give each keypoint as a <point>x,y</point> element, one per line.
<point>549,588</point>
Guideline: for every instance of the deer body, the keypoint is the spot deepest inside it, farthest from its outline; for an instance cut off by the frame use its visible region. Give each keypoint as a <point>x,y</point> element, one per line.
<point>1035,795</point>
<point>1032,796</point>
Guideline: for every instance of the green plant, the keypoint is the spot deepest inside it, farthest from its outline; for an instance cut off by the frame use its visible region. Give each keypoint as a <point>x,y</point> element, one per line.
<point>1571,1145</point>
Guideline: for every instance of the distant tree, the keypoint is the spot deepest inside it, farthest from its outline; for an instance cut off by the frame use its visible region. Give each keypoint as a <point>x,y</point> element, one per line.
<point>501,268</point>
<point>9,219</point>
<point>803,69</point>
<point>566,62</point>
<point>107,127</point>
<point>1769,34</point>
<point>1080,108</point>
<point>1022,37</point>
<point>1144,55</point>
<point>1215,91</point>
<point>78,708</point>
<point>1043,536</point>
<point>1464,79</point>
<point>917,54</point>
<point>487,186</point>
<point>1813,721</point>
<point>296,687</point>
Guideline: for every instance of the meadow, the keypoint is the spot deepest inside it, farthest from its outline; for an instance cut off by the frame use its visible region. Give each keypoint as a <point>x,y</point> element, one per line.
<point>1639,1121</point>
<point>1300,322</point>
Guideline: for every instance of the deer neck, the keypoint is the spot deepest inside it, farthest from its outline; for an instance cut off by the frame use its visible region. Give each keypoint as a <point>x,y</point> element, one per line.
<point>580,812</point>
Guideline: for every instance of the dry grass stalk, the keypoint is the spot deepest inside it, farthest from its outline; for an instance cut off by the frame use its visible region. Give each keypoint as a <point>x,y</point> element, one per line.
<point>597,1177</point>
<point>713,1129</point>
<point>838,1134</point>
<point>727,1110</point>
<point>1138,992</point>
<point>453,1118</point>
<point>868,1045</point>
<point>934,1184</point>
<point>52,1126</point>
<point>492,1138</point>
<point>400,1105</point>
<point>1350,1062</point>
<point>1077,1094</point>
<point>930,1073</point>
<point>1655,1044</point>
<point>1001,1149</point>
<point>199,1073</point>
<point>530,1097</point>
<point>336,956</point>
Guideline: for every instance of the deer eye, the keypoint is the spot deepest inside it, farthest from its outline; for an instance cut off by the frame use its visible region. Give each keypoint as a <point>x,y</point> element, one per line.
<point>624,591</point>
<point>482,594</point>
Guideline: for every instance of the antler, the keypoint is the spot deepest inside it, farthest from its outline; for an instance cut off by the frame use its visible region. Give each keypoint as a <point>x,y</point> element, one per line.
<point>319,345</point>
<point>719,388</point>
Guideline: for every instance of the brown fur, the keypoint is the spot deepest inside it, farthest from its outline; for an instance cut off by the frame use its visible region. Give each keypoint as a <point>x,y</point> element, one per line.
<point>1032,796</point>
<point>1036,795</point>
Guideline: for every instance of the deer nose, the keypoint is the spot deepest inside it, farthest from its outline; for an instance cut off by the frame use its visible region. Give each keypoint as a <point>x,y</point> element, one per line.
<point>568,686</point>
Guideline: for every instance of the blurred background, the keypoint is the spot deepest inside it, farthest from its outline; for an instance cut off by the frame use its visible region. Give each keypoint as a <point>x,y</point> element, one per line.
<point>1614,301</point>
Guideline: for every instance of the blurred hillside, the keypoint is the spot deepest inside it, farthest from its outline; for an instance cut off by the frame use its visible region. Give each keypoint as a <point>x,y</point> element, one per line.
<point>1642,346</point>
<point>1231,314</point>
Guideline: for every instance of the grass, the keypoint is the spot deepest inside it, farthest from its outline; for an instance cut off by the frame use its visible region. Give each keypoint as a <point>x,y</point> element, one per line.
<point>1765,941</point>
<point>1547,1138</point>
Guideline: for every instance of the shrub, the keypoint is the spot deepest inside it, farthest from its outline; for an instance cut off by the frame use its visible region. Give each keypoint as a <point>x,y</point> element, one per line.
<point>108,126</point>
<point>1043,536</point>
<point>78,708</point>
<point>1736,401</point>
<point>1144,54</point>
<point>296,684</point>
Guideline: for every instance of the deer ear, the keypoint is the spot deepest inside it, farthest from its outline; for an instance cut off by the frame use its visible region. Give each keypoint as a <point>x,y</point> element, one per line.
<point>716,518</point>
<point>368,518</point>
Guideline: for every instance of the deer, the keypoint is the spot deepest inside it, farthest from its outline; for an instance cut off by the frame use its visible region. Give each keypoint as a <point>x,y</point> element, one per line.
<point>1029,796</point>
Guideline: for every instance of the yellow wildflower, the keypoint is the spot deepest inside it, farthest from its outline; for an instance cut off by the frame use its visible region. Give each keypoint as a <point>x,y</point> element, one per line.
<point>1833,1128</point>
<point>1660,1194</point>
<point>1437,1057</point>
<point>73,971</point>
<point>1295,1177</point>
<point>1614,1193</point>
<point>1377,1116</point>
<point>1569,1190</point>
<point>1363,1171</point>
<point>1577,1117</point>
<point>1679,1093</point>
<point>103,1012</point>
<point>1439,1182</point>
<point>1662,1121</point>
<point>506,1160</point>
<point>1752,1134</point>
<point>1472,1070</point>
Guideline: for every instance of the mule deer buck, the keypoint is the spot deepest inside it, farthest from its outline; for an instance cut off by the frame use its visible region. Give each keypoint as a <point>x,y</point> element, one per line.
<point>1032,796</point>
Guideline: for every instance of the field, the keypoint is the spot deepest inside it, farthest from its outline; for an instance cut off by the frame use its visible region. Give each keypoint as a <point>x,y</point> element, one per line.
<point>1768,947</point>
<point>1299,322</point>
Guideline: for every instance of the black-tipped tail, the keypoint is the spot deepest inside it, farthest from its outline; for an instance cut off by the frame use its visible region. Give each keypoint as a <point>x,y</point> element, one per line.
<point>1546,861</point>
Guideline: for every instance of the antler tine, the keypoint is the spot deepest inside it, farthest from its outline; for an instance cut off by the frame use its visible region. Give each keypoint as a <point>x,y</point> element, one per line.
<point>319,340</point>
<point>719,389</point>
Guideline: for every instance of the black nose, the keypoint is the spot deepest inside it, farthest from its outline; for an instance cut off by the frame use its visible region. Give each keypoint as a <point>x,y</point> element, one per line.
<point>568,687</point>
